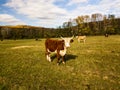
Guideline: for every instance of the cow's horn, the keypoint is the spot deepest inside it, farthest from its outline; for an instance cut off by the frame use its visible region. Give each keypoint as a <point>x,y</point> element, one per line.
<point>72,37</point>
<point>61,37</point>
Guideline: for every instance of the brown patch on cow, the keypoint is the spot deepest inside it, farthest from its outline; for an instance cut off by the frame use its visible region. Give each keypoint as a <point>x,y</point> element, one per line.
<point>53,45</point>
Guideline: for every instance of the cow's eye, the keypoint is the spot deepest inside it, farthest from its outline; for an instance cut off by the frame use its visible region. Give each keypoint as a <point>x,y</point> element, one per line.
<point>71,40</point>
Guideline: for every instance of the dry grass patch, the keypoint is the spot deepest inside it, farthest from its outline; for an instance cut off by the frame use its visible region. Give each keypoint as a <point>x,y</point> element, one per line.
<point>21,47</point>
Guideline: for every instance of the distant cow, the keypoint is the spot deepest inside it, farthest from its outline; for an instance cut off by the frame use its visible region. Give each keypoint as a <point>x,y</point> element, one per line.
<point>57,46</point>
<point>81,38</point>
<point>106,35</point>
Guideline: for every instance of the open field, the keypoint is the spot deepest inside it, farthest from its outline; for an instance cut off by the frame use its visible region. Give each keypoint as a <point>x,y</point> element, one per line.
<point>94,65</point>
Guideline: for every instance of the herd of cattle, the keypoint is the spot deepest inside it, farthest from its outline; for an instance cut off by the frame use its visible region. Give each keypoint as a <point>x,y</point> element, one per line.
<point>60,47</point>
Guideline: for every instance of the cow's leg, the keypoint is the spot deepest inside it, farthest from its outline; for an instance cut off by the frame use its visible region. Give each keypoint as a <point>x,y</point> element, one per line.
<point>63,59</point>
<point>48,56</point>
<point>84,40</point>
<point>58,57</point>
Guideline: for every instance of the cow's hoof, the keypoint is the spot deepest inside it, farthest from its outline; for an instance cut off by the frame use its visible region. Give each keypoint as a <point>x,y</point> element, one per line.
<point>50,60</point>
<point>63,62</point>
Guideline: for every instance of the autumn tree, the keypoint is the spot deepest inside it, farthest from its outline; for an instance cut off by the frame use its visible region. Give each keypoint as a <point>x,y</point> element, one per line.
<point>68,26</point>
<point>80,24</point>
<point>96,19</point>
<point>83,24</point>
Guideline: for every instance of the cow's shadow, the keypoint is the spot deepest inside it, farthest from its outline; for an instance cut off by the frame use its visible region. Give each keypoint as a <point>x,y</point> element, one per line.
<point>67,57</point>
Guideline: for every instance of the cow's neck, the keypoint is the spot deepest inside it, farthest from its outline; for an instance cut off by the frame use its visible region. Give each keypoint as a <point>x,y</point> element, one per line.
<point>63,52</point>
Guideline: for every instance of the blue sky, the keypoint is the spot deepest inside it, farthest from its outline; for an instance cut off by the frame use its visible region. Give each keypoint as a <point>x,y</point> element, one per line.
<point>52,13</point>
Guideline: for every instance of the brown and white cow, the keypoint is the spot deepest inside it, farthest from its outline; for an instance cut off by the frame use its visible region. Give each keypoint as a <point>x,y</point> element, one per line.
<point>81,38</point>
<point>57,46</point>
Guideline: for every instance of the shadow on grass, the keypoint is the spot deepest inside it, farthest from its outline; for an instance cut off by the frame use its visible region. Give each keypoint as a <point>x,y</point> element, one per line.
<point>69,57</point>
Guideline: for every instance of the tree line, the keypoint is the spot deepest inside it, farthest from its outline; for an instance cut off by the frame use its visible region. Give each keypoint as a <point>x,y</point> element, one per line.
<point>96,24</point>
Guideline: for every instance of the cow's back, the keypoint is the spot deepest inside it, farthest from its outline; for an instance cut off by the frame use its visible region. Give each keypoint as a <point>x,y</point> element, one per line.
<point>53,45</point>
<point>82,37</point>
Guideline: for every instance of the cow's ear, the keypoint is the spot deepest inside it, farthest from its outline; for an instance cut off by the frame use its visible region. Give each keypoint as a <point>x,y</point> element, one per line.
<point>63,41</point>
<point>71,40</point>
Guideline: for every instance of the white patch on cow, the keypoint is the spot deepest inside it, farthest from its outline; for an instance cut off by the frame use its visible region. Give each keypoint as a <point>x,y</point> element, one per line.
<point>67,41</point>
<point>48,50</point>
<point>48,58</point>
<point>67,44</point>
<point>63,52</point>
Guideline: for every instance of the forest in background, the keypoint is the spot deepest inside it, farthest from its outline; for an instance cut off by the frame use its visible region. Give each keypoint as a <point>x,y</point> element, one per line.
<point>96,24</point>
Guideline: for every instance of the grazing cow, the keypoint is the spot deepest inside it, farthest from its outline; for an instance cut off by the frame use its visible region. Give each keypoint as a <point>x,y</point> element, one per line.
<point>106,35</point>
<point>81,38</point>
<point>57,46</point>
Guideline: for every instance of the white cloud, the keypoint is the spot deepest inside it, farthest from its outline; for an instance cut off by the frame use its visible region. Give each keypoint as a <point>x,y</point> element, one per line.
<point>5,18</point>
<point>104,7</point>
<point>71,2</point>
<point>36,8</point>
<point>46,12</point>
<point>111,6</point>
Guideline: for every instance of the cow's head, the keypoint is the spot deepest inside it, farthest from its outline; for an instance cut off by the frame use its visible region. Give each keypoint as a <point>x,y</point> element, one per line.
<point>67,41</point>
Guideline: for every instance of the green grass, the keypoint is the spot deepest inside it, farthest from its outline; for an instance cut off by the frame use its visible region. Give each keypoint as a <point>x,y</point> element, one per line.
<point>94,65</point>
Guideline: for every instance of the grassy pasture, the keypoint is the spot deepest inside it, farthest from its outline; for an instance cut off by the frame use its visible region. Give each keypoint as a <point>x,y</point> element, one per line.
<point>94,65</point>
